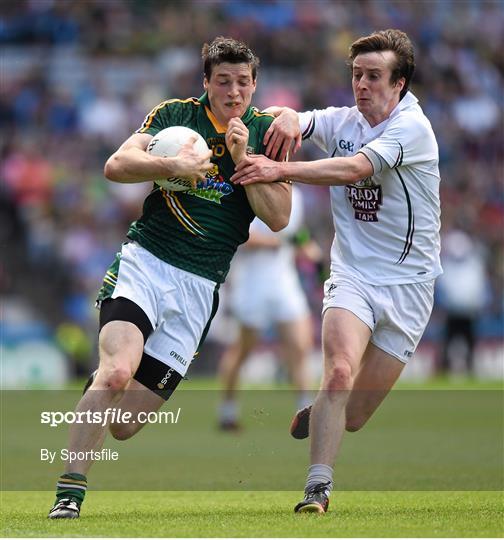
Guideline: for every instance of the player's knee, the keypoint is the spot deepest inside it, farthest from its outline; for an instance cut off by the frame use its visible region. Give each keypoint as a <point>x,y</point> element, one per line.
<point>339,378</point>
<point>116,378</point>
<point>116,343</point>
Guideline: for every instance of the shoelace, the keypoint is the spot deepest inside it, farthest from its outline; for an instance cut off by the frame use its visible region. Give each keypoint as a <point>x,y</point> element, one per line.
<point>319,488</point>
<point>65,503</point>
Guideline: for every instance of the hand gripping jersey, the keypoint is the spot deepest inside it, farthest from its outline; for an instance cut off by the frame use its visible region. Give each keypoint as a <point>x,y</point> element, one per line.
<point>200,229</point>
<point>387,225</point>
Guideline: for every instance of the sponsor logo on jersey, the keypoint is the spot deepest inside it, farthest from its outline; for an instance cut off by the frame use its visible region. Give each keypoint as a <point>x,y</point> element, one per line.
<point>366,198</point>
<point>213,188</point>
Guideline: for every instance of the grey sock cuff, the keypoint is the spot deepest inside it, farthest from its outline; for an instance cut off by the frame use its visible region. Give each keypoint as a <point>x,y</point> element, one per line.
<point>319,474</point>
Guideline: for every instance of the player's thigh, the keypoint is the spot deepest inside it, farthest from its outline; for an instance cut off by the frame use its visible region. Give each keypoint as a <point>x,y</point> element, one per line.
<point>120,347</point>
<point>347,323</point>
<point>124,328</point>
<point>344,338</point>
<point>379,370</point>
<point>377,375</point>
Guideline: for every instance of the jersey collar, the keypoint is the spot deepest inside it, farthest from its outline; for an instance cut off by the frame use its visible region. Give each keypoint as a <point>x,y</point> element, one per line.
<point>407,101</point>
<point>219,128</point>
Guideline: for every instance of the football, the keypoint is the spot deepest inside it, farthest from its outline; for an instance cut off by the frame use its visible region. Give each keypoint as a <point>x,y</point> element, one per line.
<point>167,143</point>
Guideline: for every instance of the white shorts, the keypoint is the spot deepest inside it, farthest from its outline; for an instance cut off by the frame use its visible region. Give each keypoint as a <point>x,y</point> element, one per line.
<point>261,303</point>
<point>179,304</point>
<point>396,314</point>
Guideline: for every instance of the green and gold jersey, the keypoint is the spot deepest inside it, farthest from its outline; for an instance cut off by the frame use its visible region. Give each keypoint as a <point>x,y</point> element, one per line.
<point>200,229</point>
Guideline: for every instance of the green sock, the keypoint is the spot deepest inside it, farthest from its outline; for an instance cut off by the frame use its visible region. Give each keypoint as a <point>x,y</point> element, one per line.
<point>71,486</point>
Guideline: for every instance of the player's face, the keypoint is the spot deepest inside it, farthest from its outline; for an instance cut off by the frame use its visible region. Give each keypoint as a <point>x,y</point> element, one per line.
<point>230,90</point>
<point>375,96</point>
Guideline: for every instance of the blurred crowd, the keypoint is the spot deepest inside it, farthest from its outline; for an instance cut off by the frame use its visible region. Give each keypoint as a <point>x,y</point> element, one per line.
<point>77,77</point>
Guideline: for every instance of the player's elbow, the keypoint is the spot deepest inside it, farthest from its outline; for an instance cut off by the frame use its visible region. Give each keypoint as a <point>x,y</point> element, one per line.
<point>279,222</point>
<point>111,170</point>
<point>358,168</point>
<point>278,226</point>
<point>354,174</point>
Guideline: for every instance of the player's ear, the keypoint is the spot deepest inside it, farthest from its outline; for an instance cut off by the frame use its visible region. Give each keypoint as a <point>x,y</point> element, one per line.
<point>400,83</point>
<point>205,83</point>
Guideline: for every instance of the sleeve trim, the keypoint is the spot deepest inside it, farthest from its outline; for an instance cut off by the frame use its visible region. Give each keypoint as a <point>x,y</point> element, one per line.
<point>376,160</point>
<point>307,133</point>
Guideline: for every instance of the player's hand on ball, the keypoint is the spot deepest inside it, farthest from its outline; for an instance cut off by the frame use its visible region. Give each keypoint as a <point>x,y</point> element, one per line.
<point>237,136</point>
<point>191,165</point>
<point>283,134</point>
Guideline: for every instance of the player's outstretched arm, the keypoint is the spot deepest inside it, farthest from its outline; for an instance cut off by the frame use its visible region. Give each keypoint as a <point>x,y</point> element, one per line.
<point>325,172</point>
<point>132,164</point>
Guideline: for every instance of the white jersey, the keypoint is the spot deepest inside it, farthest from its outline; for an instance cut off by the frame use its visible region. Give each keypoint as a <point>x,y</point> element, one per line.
<point>387,225</point>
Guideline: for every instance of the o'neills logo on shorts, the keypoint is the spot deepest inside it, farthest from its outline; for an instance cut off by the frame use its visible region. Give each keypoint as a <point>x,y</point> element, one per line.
<point>366,198</point>
<point>178,358</point>
<point>165,379</point>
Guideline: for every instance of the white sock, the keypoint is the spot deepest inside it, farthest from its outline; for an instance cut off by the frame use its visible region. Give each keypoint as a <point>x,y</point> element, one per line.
<point>228,411</point>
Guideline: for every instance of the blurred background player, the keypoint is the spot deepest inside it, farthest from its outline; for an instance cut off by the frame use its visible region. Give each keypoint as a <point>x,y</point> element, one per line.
<point>266,293</point>
<point>463,293</point>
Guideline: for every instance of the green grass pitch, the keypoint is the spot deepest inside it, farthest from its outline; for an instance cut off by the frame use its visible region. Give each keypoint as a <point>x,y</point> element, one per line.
<point>428,464</point>
<point>259,514</point>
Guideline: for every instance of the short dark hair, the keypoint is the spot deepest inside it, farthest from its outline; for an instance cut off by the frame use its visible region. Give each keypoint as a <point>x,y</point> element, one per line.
<point>223,49</point>
<point>389,40</point>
